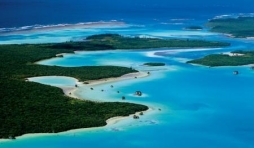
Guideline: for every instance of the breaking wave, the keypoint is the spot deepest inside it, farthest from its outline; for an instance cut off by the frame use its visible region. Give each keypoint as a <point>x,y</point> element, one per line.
<point>61,26</point>
<point>226,16</point>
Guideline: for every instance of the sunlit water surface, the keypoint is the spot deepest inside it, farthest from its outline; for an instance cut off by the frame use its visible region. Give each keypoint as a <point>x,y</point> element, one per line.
<point>201,107</point>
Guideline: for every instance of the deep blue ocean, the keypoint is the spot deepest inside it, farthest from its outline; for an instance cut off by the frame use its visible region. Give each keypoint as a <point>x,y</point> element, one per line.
<point>18,13</point>
<point>201,107</point>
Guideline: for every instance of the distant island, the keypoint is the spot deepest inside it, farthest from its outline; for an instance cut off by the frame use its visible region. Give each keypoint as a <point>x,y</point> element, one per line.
<point>194,28</point>
<point>28,107</point>
<point>115,41</point>
<point>235,58</point>
<point>241,27</point>
<point>154,64</point>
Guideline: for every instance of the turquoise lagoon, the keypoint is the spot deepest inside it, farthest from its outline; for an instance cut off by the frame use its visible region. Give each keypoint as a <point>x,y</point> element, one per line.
<point>58,81</point>
<point>201,107</point>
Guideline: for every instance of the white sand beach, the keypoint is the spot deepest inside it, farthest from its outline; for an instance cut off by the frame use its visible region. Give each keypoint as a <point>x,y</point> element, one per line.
<point>69,91</point>
<point>124,77</point>
<point>109,122</point>
<point>233,54</point>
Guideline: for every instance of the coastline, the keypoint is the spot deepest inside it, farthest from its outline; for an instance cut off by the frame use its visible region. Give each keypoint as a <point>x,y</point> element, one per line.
<point>123,77</point>
<point>114,120</point>
<point>56,56</point>
<point>109,122</point>
<point>158,53</point>
<point>71,89</point>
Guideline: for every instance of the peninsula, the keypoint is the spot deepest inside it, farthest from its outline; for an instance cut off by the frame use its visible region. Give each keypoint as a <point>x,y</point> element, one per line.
<point>28,107</point>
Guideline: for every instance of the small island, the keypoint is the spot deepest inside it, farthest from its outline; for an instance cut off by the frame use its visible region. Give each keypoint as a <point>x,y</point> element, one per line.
<point>241,27</point>
<point>194,28</point>
<point>116,41</point>
<point>154,64</point>
<point>235,58</point>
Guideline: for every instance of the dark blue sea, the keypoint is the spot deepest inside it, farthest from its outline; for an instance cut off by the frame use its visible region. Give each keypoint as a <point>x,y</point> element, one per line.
<point>18,13</point>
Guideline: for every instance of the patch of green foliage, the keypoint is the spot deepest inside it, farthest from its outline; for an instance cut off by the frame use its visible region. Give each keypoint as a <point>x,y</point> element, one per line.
<point>240,27</point>
<point>28,107</point>
<point>115,41</point>
<point>154,64</point>
<point>226,60</point>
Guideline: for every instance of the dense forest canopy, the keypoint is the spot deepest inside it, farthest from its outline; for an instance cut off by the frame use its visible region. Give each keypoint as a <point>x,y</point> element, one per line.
<point>237,58</point>
<point>240,27</point>
<point>27,107</point>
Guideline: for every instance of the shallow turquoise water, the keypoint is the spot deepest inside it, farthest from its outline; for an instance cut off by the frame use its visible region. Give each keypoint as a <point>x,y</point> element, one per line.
<point>201,106</point>
<point>55,80</point>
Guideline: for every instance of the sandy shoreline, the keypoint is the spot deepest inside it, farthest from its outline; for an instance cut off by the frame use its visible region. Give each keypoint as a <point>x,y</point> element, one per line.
<point>114,120</point>
<point>232,54</point>
<point>69,91</point>
<point>124,77</point>
<point>110,121</point>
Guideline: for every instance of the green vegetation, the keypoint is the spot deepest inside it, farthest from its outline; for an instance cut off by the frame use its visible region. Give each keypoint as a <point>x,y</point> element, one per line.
<point>27,107</point>
<point>194,28</point>
<point>240,27</point>
<point>239,58</point>
<point>154,64</point>
<point>115,41</point>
